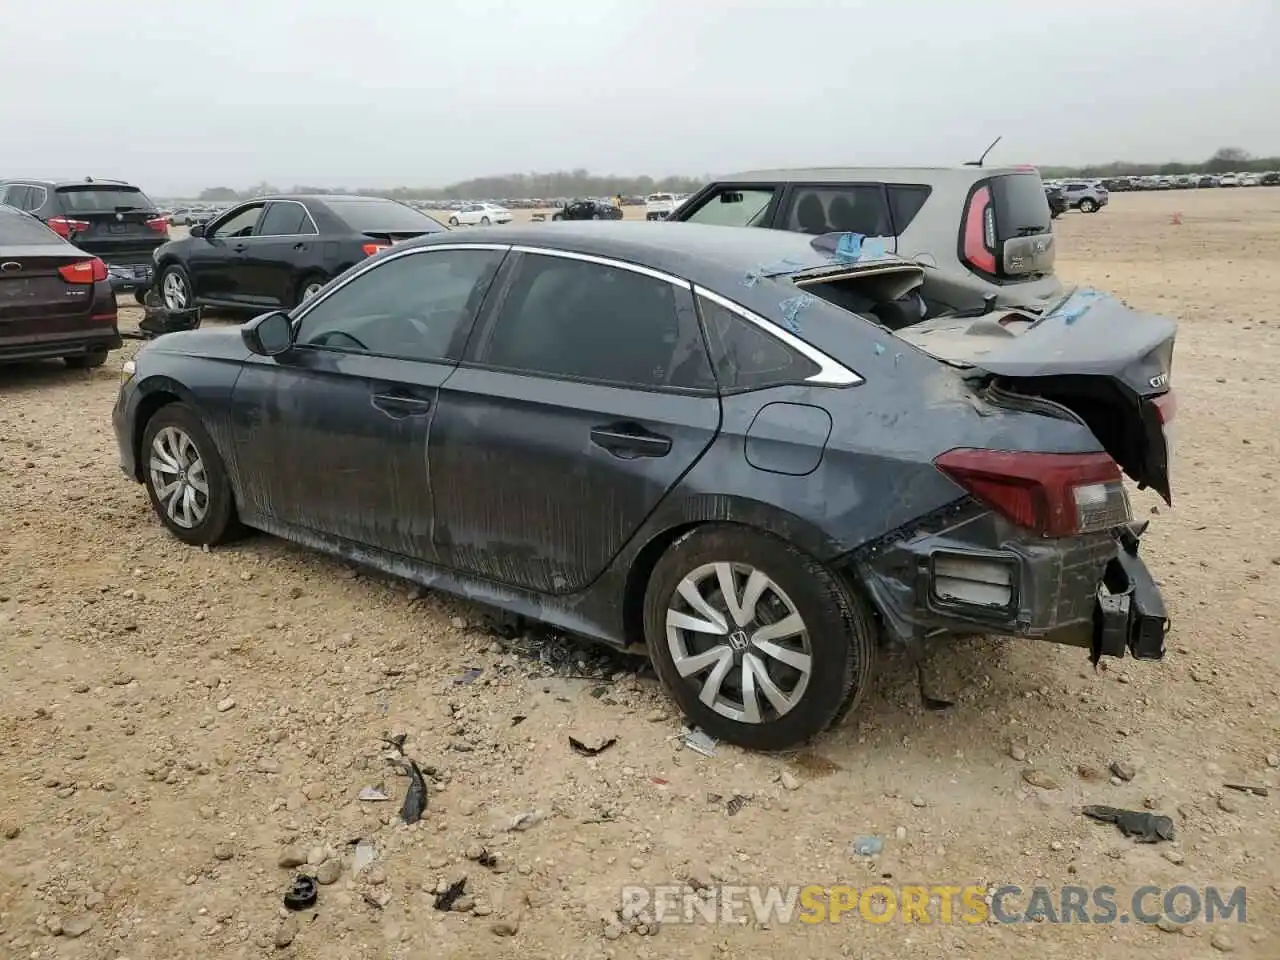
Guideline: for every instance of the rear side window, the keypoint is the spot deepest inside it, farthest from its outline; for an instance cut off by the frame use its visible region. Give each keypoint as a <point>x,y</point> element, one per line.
<point>1020,205</point>
<point>24,197</point>
<point>97,198</point>
<point>19,230</point>
<point>905,201</point>
<point>734,208</point>
<point>384,216</point>
<point>574,319</point>
<point>744,357</point>
<point>285,220</point>
<point>856,209</point>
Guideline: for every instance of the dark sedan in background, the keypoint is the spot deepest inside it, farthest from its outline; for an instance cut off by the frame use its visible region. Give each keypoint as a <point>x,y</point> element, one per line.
<point>55,299</point>
<point>588,210</point>
<point>603,426</point>
<point>278,251</point>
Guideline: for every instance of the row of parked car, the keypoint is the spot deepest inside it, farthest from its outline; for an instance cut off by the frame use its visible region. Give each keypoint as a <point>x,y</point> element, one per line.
<point>1189,181</point>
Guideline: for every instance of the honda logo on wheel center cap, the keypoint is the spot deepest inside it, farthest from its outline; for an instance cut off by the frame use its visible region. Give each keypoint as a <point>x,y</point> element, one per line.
<point>738,640</point>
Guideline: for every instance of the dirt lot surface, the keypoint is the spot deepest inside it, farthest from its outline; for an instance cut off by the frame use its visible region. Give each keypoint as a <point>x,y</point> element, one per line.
<point>175,724</point>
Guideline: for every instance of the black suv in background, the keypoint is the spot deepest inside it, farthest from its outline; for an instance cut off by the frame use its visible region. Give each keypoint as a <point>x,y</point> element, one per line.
<point>110,219</point>
<point>588,210</point>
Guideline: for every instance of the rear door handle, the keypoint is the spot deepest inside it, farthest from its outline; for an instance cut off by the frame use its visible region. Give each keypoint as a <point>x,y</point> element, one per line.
<point>629,441</point>
<point>402,405</point>
<point>299,246</point>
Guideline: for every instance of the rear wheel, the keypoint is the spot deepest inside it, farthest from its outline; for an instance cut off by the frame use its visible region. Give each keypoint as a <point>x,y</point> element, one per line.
<point>453,221</point>
<point>86,361</point>
<point>308,288</point>
<point>185,477</point>
<point>175,287</point>
<point>1088,206</point>
<point>484,221</point>
<point>759,644</point>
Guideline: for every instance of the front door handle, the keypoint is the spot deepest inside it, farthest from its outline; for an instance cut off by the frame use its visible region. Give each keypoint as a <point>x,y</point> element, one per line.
<point>402,405</point>
<point>240,247</point>
<point>299,246</point>
<point>628,441</point>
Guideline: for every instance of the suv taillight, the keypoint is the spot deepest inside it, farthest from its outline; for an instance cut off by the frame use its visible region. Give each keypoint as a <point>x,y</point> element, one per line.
<point>159,225</point>
<point>65,226</point>
<point>371,248</point>
<point>85,271</point>
<point>1054,494</point>
<point>979,231</point>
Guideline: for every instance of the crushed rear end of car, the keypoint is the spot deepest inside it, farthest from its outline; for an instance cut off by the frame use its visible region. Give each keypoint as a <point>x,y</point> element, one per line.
<point>1041,541</point>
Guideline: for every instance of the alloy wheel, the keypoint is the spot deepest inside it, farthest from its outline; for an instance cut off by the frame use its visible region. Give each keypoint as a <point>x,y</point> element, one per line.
<point>311,289</point>
<point>174,290</point>
<point>178,477</point>
<point>736,636</point>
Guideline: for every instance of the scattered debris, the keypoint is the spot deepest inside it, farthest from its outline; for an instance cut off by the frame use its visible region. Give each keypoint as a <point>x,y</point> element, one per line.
<point>591,751</point>
<point>1038,778</point>
<point>736,803</point>
<point>1248,788</point>
<point>444,901</point>
<point>1124,769</point>
<point>301,894</point>
<point>867,846</point>
<point>523,821</point>
<point>791,307</point>
<point>697,741</point>
<point>560,656</point>
<point>1145,827</point>
<point>518,719</point>
<point>366,853</point>
<point>373,794</point>
<point>415,798</point>
<point>789,780</point>
<point>469,676</point>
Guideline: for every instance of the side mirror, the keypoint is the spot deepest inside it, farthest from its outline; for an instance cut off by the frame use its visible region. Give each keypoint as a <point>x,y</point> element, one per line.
<point>269,334</point>
<point>197,230</point>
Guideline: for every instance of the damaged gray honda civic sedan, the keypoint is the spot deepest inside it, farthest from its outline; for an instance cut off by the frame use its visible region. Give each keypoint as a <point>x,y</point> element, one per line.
<point>697,440</point>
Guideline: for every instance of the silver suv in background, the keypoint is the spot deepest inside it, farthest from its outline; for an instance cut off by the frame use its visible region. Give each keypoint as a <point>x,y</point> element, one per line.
<point>1087,196</point>
<point>987,230</point>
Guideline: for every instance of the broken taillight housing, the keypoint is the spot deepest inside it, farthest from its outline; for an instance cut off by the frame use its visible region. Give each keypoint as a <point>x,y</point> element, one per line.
<point>1054,494</point>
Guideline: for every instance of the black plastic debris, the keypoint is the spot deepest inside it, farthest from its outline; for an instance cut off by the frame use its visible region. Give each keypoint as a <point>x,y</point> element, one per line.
<point>487,859</point>
<point>415,798</point>
<point>302,894</point>
<point>589,751</point>
<point>557,655</point>
<point>1142,826</point>
<point>518,719</point>
<point>735,804</point>
<point>445,901</point>
<point>1248,788</point>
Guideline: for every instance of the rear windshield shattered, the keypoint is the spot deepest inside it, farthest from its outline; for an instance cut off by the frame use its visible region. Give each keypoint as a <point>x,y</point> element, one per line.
<point>100,199</point>
<point>1021,207</point>
<point>372,216</point>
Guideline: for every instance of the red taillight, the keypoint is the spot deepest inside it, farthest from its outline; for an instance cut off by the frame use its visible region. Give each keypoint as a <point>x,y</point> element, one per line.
<point>65,226</point>
<point>371,248</point>
<point>1054,494</point>
<point>159,225</point>
<point>85,271</point>
<point>980,231</point>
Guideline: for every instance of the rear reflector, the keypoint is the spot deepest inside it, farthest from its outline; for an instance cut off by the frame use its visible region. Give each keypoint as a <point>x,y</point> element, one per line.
<point>371,248</point>
<point>86,271</point>
<point>65,226</point>
<point>979,232</point>
<point>1054,494</point>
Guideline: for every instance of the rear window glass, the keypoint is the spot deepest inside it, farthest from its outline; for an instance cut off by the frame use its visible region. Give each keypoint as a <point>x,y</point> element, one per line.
<point>905,202</point>
<point>383,215</point>
<point>102,199</point>
<point>16,229</point>
<point>1020,205</point>
<point>856,209</point>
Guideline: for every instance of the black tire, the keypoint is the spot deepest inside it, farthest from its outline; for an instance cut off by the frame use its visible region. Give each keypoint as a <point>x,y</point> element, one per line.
<point>219,522</point>
<point>175,269</point>
<point>1088,206</point>
<point>305,282</point>
<point>140,296</point>
<point>453,221</point>
<point>484,221</point>
<point>595,216</point>
<point>839,627</point>
<point>86,361</point>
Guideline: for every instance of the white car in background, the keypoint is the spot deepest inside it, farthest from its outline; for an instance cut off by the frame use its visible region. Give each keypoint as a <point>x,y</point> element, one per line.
<point>479,214</point>
<point>1249,180</point>
<point>1229,180</point>
<point>657,206</point>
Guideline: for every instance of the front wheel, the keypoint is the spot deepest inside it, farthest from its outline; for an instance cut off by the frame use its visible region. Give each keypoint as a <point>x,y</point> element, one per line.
<point>1088,206</point>
<point>759,644</point>
<point>484,221</point>
<point>175,287</point>
<point>308,288</point>
<point>453,221</point>
<point>185,477</point>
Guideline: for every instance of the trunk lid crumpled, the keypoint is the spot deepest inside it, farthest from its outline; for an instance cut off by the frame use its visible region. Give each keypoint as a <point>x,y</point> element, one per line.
<point>1105,363</point>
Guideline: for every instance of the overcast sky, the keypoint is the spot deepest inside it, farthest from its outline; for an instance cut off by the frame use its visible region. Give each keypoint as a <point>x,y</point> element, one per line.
<point>177,95</point>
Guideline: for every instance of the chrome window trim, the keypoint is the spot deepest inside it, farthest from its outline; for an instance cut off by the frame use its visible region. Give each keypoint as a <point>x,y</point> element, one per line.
<point>314,302</point>
<point>606,262</point>
<point>830,373</point>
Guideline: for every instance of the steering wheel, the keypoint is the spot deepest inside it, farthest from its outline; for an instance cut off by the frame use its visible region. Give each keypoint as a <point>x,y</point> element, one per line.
<point>323,339</point>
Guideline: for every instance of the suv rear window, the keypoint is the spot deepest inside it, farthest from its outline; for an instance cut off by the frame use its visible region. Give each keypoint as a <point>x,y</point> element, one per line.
<point>377,215</point>
<point>1020,205</point>
<point>99,198</point>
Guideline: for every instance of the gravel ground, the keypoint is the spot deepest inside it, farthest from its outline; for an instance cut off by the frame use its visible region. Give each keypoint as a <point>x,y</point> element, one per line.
<point>175,725</point>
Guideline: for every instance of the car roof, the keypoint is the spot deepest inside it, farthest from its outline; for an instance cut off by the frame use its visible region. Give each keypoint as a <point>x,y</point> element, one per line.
<point>703,253</point>
<point>862,174</point>
<point>41,182</point>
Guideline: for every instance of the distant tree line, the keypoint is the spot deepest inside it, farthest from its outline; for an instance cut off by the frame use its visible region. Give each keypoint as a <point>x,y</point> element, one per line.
<point>580,183</point>
<point>564,183</point>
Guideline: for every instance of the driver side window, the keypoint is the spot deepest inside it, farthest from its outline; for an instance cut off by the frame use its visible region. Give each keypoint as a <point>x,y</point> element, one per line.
<point>410,307</point>
<point>239,224</point>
